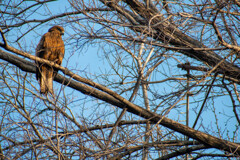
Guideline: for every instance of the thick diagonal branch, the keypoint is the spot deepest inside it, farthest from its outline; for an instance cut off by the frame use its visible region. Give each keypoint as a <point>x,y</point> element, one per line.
<point>153,24</point>
<point>119,101</point>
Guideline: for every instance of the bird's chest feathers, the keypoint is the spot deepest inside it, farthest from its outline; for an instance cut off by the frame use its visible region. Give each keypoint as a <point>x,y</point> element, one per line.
<point>56,47</point>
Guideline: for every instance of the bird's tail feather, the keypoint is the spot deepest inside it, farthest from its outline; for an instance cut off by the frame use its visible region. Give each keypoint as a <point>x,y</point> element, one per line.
<point>46,80</point>
<point>43,88</point>
<point>50,84</point>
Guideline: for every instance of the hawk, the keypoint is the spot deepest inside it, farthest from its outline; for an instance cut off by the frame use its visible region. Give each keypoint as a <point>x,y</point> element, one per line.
<point>51,47</point>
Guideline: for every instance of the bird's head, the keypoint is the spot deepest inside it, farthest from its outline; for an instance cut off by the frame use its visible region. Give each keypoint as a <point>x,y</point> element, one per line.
<point>57,28</point>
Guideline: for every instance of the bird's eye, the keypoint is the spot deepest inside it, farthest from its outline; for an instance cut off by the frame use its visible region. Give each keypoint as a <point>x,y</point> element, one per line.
<point>60,29</point>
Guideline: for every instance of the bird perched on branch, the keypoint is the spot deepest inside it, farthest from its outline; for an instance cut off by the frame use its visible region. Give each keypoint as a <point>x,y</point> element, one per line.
<point>50,47</point>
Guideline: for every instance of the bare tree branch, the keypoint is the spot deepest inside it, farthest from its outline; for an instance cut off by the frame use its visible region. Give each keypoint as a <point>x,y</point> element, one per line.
<point>119,101</point>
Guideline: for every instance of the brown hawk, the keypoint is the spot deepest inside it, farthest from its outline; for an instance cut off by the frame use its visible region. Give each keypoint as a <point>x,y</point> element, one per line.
<point>50,47</point>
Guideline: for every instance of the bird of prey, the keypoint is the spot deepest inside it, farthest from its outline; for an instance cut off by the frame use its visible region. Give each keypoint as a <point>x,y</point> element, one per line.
<point>51,47</point>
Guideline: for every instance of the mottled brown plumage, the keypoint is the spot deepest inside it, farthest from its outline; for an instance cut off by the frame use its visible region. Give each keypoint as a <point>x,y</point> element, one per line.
<point>50,47</point>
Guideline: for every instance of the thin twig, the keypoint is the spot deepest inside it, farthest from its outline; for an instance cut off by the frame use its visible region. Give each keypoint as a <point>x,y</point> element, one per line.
<point>3,37</point>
